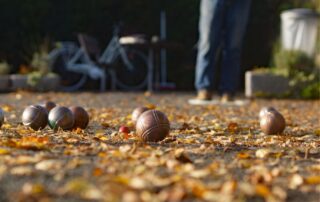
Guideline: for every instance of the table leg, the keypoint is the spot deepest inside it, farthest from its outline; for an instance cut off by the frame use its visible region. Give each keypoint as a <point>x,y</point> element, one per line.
<point>150,70</point>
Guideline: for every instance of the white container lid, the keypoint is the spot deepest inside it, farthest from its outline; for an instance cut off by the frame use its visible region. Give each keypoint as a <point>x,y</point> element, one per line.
<point>299,13</point>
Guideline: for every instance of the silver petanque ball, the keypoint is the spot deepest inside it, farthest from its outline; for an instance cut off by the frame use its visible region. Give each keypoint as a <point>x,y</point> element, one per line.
<point>35,116</point>
<point>61,117</point>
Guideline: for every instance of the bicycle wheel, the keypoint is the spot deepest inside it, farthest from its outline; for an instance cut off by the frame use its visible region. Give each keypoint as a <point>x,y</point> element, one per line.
<point>132,79</point>
<point>69,80</point>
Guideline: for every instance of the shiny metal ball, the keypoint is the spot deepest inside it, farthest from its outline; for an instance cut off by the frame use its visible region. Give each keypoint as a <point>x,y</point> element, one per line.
<point>81,117</point>
<point>264,110</point>
<point>137,112</point>
<point>61,117</point>
<point>48,105</point>
<point>152,126</point>
<point>272,123</point>
<point>1,117</point>
<point>35,116</point>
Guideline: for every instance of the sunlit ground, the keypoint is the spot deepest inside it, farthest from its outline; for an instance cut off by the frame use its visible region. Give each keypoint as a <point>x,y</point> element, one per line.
<point>213,153</point>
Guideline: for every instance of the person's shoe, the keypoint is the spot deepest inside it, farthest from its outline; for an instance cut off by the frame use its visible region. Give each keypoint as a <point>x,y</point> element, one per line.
<point>227,97</point>
<point>203,97</point>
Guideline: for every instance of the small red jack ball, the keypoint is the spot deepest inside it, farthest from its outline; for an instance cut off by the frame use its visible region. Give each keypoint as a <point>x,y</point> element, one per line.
<point>124,129</point>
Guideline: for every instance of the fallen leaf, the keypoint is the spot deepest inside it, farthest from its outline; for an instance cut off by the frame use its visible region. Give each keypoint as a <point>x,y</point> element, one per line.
<point>243,155</point>
<point>21,170</point>
<point>233,127</point>
<point>97,172</point>
<point>295,181</point>
<point>4,151</point>
<point>263,153</point>
<point>30,189</point>
<point>49,165</point>
<point>181,156</point>
<point>262,190</point>
<point>313,179</point>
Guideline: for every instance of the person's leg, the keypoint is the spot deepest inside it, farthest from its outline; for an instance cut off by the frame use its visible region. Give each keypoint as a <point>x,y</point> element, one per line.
<point>210,22</point>
<point>235,26</point>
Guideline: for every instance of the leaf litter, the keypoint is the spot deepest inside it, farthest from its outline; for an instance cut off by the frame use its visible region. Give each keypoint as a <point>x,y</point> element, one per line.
<point>212,154</point>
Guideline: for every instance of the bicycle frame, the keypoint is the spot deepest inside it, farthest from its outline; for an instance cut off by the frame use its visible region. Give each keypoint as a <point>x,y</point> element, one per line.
<point>113,51</point>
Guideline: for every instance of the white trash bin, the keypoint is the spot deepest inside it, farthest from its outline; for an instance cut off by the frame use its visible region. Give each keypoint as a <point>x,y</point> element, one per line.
<point>299,30</point>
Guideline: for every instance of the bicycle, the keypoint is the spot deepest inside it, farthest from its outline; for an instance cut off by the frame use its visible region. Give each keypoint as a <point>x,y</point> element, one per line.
<point>126,66</point>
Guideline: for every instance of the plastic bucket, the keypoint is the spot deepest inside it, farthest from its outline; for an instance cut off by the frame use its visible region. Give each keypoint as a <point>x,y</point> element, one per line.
<point>299,30</point>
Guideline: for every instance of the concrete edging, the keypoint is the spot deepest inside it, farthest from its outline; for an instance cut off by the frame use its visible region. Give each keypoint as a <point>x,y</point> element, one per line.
<point>262,83</point>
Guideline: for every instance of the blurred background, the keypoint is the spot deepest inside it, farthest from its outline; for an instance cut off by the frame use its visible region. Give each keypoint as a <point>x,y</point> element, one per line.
<point>27,25</point>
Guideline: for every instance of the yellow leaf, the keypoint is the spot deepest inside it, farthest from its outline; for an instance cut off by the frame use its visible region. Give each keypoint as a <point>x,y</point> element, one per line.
<point>315,168</point>
<point>122,180</point>
<point>150,106</point>
<point>7,108</point>
<point>24,131</point>
<point>102,154</point>
<point>77,185</point>
<point>262,190</point>
<point>313,179</point>
<point>33,188</point>
<point>130,123</point>
<point>4,151</point>
<point>317,131</point>
<point>6,126</point>
<point>229,186</point>
<point>243,155</point>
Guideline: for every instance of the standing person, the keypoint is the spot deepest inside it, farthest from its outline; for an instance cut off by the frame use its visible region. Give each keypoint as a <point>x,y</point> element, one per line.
<point>222,27</point>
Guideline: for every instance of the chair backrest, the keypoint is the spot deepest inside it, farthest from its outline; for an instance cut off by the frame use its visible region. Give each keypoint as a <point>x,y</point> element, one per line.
<point>90,45</point>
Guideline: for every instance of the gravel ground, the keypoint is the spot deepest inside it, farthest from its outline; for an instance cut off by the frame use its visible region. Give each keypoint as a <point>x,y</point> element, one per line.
<point>213,153</point>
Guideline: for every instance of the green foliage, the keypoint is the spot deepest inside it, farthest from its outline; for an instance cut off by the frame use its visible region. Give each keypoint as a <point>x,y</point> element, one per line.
<point>34,78</point>
<point>4,68</point>
<point>311,91</point>
<point>291,62</point>
<point>300,69</point>
<point>40,62</point>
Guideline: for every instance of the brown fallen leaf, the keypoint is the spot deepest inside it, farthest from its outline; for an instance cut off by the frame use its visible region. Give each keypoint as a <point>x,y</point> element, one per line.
<point>233,127</point>
<point>181,156</point>
<point>243,155</point>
